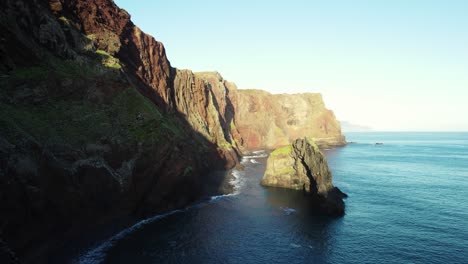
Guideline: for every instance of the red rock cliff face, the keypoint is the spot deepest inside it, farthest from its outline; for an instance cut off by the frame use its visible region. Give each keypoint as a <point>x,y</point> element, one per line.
<point>111,29</point>
<point>204,101</point>
<point>144,60</point>
<point>78,141</point>
<point>267,120</point>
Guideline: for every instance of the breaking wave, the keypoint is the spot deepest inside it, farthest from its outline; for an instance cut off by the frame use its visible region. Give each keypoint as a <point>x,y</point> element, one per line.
<point>98,254</point>
<point>256,154</point>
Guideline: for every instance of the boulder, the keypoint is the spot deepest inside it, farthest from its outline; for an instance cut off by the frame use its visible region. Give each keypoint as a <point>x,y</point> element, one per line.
<point>302,166</point>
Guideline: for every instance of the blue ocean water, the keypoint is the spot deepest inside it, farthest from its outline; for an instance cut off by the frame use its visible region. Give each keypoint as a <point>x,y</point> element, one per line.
<point>408,203</point>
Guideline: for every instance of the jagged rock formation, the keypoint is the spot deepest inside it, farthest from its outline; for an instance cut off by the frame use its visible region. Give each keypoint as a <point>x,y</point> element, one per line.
<point>269,121</point>
<point>301,166</point>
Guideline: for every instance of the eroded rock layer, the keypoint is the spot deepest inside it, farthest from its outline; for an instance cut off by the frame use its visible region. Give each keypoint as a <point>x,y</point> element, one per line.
<point>269,121</point>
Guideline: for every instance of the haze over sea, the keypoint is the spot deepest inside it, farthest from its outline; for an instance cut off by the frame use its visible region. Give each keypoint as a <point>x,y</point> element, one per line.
<point>408,203</point>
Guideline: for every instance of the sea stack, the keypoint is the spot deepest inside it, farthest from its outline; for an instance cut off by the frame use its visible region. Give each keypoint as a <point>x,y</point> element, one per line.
<point>302,166</point>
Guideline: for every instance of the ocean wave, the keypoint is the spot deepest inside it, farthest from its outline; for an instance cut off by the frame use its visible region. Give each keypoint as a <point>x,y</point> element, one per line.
<point>98,254</point>
<point>237,181</point>
<point>217,197</point>
<point>256,155</point>
<point>288,210</point>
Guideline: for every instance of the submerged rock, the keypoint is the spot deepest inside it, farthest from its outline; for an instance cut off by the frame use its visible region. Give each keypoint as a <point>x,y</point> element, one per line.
<point>302,166</point>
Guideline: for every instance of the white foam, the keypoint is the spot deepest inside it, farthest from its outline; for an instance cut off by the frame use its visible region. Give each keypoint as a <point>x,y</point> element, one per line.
<point>98,254</point>
<point>287,210</point>
<point>254,161</point>
<point>237,180</point>
<point>256,154</point>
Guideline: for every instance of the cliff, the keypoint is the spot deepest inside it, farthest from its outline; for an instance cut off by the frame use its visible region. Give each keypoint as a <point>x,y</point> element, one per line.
<point>301,166</point>
<point>269,121</point>
<point>96,125</point>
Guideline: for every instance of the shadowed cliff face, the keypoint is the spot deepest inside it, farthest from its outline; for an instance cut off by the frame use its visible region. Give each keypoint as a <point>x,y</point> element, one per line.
<point>145,62</point>
<point>302,166</point>
<point>96,125</point>
<point>267,120</point>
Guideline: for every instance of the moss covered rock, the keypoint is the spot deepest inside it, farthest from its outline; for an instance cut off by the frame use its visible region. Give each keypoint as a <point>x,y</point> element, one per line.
<point>302,166</point>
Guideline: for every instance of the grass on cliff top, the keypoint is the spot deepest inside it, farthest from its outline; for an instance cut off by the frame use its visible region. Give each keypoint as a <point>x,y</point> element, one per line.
<point>289,148</point>
<point>311,141</point>
<point>68,68</point>
<point>128,118</point>
<point>282,151</point>
<point>62,69</point>
<point>108,60</point>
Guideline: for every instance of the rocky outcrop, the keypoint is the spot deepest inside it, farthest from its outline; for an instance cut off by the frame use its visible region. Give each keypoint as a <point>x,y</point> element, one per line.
<point>301,166</point>
<point>269,121</point>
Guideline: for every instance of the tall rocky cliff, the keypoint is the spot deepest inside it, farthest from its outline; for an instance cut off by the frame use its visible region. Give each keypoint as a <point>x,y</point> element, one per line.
<point>271,120</point>
<point>264,120</point>
<point>95,123</point>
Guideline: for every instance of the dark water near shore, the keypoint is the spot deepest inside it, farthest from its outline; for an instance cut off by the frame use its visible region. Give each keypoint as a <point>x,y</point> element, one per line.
<point>408,203</point>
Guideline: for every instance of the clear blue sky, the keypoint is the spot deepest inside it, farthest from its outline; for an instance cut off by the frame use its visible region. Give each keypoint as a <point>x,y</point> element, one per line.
<point>388,64</point>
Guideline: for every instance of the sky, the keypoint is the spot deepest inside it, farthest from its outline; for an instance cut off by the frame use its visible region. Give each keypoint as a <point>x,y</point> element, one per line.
<point>399,65</point>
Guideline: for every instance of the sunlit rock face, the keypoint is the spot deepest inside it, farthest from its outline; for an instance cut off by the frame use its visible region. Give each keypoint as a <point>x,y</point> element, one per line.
<point>267,120</point>
<point>302,166</point>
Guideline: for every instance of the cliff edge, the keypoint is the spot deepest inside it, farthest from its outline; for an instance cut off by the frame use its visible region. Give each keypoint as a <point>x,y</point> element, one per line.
<point>301,166</point>
<point>273,120</point>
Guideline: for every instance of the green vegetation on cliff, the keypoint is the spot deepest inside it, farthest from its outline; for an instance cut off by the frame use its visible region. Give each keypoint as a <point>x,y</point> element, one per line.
<point>73,103</point>
<point>108,60</point>
<point>287,150</point>
<point>128,116</point>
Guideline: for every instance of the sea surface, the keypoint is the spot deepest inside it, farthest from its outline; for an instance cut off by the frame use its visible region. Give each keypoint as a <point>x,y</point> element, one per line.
<point>408,203</point>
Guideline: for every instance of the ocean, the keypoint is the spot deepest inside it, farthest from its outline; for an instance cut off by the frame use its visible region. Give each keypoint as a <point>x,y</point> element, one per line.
<point>408,203</point>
